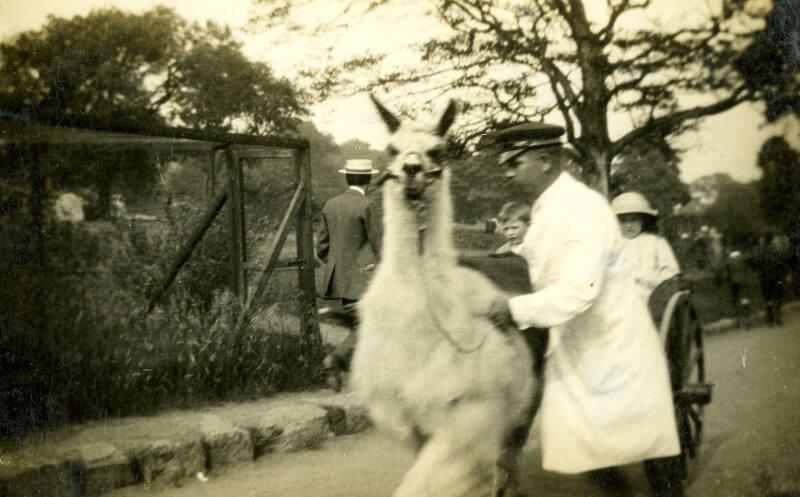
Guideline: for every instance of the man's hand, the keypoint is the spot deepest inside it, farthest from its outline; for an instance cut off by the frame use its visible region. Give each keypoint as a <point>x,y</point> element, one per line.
<point>500,314</point>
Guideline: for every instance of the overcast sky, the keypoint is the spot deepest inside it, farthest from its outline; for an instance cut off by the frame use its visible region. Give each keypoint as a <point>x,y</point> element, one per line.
<point>725,143</point>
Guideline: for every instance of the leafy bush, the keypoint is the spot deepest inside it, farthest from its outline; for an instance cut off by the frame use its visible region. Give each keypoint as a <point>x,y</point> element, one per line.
<point>477,240</point>
<point>96,352</point>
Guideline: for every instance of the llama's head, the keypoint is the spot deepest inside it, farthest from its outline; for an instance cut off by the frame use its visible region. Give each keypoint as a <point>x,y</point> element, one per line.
<point>417,150</point>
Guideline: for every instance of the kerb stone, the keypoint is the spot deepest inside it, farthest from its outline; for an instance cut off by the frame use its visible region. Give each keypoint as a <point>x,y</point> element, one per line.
<point>169,460</point>
<point>286,428</point>
<point>225,443</point>
<point>36,479</point>
<point>346,414</point>
<point>97,468</point>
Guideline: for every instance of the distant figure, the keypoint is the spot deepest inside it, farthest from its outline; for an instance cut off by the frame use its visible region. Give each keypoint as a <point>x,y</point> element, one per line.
<point>717,255</point>
<point>736,275</point>
<point>655,262</point>
<point>69,208</point>
<point>349,244</point>
<point>514,219</point>
<point>118,207</point>
<point>770,265</point>
<point>491,225</point>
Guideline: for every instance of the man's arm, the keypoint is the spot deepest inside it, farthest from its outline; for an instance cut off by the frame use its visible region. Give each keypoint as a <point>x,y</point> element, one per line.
<point>581,264</point>
<point>373,225</point>
<point>324,240</point>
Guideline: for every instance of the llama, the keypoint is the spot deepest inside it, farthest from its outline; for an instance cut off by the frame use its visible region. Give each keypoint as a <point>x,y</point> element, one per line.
<point>429,365</point>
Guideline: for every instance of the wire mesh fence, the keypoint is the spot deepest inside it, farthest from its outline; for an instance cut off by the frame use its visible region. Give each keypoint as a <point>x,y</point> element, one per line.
<point>92,224</point>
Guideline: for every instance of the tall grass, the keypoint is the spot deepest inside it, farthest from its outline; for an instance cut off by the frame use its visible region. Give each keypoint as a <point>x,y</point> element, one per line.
<point>87,349</point>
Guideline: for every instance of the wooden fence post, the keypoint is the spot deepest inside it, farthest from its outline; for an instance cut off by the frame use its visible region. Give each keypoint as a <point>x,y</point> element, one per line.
<point>33,156</point>
<point>305,254</point>
<point>237,223</point>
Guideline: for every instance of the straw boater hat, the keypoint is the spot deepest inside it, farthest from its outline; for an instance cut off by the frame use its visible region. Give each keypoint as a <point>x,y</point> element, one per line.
<point>358,166</point>
<point>632,203</point>
<point>521,138</point>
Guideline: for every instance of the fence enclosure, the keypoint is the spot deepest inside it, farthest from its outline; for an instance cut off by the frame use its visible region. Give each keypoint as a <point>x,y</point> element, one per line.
<point>163,212</point>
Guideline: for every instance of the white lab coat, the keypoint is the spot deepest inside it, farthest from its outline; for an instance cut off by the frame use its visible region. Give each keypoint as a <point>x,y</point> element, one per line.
<point>607,398</point>
<point>653,261</point>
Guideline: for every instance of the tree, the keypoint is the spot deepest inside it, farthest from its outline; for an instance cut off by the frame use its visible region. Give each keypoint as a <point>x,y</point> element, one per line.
<point>479,188</point>
<point>144,69</point>
<point>524,60</point>
<point>737,213</point>
<point>771,64</point>
<point>327,157</point>
<point>780,184</point>
<point>651,168</point>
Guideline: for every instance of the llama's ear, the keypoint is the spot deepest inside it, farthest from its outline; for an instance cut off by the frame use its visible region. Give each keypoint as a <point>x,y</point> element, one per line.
<point>447,118</point>
<point>392,122</point>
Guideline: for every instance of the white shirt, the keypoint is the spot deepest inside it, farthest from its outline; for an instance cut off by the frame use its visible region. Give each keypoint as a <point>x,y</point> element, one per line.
<point>653,259</point>
<point>358,189</point>
<point>607,397</point>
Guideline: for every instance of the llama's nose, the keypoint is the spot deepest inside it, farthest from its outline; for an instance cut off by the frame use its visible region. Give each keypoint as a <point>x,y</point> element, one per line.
<point>412,169</point>
<point>412,164</point>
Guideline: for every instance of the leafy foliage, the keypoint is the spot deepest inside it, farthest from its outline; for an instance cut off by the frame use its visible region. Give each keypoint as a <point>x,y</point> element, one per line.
<point>479,188</point>
<point>327,157</point>
<point>99,354</point>
<point>651,168</point>
<point>771,64</point>
<point>527,60</point>
<point>780,183</point>
<point>143,69</point>
<point>737,212</point>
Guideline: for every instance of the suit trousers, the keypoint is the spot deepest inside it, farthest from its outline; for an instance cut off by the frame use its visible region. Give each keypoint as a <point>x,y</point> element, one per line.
<point>343,353</point>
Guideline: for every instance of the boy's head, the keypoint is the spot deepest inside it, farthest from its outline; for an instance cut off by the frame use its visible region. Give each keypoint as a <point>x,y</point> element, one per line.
<point>514,219</point>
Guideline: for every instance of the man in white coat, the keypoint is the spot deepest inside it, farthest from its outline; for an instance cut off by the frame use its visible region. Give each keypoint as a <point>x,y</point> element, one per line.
<point>607,398</point>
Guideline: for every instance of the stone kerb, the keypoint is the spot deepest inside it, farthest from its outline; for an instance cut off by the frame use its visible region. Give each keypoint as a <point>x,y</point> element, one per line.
<point>98,457</point>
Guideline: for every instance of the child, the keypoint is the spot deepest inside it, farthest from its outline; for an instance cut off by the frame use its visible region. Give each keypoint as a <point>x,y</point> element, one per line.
<point>654,259</point>
<point>514,217</point>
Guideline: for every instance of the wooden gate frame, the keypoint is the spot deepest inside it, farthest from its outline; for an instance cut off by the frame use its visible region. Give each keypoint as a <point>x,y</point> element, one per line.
<point>33,135</point>
<point>299,208</point>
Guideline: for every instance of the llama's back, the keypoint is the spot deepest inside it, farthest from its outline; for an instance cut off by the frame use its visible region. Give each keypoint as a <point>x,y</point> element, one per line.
<point>416,360</point>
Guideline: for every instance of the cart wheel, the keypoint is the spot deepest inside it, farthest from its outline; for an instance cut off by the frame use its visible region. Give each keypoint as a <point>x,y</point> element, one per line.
<point>684,348</point>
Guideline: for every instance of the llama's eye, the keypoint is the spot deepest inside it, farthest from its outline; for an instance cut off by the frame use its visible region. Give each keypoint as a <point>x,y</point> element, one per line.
<point>435,154</point>
<point>392,151</point>
<point>434,173</point>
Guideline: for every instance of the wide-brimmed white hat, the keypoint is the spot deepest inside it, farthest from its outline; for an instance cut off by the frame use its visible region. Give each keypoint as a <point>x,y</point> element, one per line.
<point>358,166</point>
<point>632,203</point>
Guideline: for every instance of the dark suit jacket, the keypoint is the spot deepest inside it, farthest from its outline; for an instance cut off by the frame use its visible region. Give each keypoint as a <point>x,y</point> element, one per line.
<point>348,243</point>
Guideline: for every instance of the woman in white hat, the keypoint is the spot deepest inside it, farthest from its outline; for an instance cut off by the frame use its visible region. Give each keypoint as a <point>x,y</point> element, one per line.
<point>654,259</point>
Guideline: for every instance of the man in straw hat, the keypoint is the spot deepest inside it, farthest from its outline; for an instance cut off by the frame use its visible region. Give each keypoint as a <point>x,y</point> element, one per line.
<point>349,244</point>
<point>607,400</point>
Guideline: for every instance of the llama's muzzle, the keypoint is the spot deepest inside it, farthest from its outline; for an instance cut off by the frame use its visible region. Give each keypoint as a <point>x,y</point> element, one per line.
<point>415,186</point>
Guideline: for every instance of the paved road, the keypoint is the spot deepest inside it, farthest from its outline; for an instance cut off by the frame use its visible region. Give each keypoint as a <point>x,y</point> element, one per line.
<point>751,447</point>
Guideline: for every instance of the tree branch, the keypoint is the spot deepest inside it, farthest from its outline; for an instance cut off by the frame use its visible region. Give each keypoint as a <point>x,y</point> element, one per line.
<point>606,35</point>
<point>537,50</point>
<point>564,107</point>
<point>669,122</point>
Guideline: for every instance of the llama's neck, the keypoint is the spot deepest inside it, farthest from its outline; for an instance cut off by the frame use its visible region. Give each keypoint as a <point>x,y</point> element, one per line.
<point>438,243</point>
<point>400,230</point>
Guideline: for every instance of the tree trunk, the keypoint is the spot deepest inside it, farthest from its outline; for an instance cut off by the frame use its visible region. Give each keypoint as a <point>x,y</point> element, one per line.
<point>592,111</point>
<point>600,163</point>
